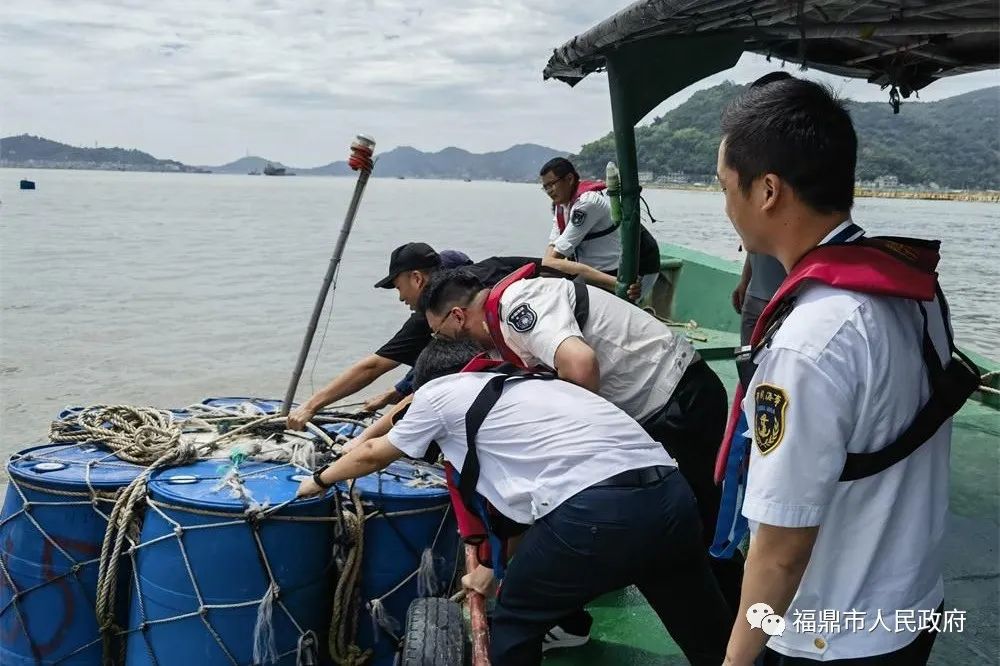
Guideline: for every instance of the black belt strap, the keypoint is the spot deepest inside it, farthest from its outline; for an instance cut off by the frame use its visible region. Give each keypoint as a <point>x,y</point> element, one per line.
<point>950,387</point>
<point>602,233</point>
<point>474,418</point>
<point>581,311</point>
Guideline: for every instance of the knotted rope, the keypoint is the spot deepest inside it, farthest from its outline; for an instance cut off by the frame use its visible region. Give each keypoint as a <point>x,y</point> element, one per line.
<point>344,623</point>
<point>157,439</point>
<point>139,435</point>
<point>152,438</point>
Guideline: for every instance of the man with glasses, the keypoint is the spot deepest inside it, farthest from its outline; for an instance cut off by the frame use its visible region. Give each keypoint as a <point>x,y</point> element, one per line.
<point>581,226</point>
<point>604,344</point>
<point>601,504</point>
<point>410,269</point>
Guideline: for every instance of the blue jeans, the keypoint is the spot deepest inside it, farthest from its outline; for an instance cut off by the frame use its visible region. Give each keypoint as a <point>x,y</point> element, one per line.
<point>604,539</point>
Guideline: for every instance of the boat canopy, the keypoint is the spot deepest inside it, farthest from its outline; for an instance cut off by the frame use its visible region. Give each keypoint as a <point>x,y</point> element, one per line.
<point>904,43</point>
<point>655,48</point>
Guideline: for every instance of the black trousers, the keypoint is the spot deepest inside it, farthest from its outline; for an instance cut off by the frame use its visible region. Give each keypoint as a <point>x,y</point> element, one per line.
<point>603,539</point>
<point>690,427</point>
<point>915,654</point>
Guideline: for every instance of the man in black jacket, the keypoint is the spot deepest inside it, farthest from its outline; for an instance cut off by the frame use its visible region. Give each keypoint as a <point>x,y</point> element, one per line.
<point>410,268</point>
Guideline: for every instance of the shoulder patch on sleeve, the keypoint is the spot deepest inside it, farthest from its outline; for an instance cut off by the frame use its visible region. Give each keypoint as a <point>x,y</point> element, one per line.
<point>770,405</point>
<point>578,217</point>
<point>522,318</point>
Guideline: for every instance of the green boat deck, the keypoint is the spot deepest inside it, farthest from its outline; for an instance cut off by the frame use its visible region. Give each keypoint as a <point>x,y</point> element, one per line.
<point>626,632</point>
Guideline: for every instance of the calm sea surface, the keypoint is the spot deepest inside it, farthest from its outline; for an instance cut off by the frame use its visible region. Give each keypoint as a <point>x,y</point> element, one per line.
<point>161,289</point>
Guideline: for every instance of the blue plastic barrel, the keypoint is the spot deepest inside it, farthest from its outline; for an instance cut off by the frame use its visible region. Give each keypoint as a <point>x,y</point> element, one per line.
<point>408,519</point>
<point>348,430</point>
<point>50,546</point>
<point>225,564</point>
<point>262,406</point>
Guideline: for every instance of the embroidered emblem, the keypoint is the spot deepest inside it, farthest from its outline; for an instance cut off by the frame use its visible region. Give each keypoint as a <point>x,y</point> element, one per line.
<point>522,318</point>
<point>770,402</point>
<point>578,217</point>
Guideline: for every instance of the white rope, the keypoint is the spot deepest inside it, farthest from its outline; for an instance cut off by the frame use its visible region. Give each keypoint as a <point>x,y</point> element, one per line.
<point>264,651</point>
<point>984,381</point>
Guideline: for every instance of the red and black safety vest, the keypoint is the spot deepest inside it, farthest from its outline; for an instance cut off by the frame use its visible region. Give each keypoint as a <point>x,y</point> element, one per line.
<point>491,309</point>
<point>885,266</point>
<point>582,188</point>
<point>479,524</point>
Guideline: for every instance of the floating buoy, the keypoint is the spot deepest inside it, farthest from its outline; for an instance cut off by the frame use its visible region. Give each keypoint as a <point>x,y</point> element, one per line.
<point>27,184</point>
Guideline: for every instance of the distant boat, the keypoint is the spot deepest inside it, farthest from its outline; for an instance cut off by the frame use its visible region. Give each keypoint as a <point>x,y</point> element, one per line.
<point>27,184</point>
<point>401,177</point>
<point>253,172</point>
<point>468,180</point>
<point>271,170</point>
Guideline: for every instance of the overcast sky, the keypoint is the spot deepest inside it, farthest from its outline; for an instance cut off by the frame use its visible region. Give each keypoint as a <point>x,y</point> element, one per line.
<point>205,81</point>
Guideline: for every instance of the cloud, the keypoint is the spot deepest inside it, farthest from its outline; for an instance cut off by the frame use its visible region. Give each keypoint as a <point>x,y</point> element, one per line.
<point>295,79</point>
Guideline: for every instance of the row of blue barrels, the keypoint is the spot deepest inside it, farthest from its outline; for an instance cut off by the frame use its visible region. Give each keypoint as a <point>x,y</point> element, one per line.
<point>194,591</point>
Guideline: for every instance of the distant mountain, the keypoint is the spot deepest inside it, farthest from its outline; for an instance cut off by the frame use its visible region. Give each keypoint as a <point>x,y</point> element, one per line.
<point>518,163</point>
<point>30,151</point>
<point>953,142</point>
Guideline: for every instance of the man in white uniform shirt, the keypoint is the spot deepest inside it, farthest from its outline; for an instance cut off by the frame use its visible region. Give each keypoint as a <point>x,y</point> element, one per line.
<point>582,228</point>
<point>605,503</point>
<point>581,218</point>
<point>842,375</point>
<point>620,352</point>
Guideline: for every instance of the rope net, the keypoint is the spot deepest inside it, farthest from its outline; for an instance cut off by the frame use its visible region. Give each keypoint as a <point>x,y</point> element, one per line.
<point>255,607</point>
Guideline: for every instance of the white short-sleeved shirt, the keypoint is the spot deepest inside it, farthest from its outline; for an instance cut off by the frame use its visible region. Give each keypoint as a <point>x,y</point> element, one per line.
<point>589,213</point>
<point>543,442</point>
<point>641,359</point>
<point>845,373</point>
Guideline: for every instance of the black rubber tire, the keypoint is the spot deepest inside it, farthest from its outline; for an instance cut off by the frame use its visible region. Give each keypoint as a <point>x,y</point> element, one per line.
<point>435,634</point>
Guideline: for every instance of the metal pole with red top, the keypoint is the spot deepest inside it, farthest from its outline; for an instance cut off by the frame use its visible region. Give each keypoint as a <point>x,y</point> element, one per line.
<point>361,161</point>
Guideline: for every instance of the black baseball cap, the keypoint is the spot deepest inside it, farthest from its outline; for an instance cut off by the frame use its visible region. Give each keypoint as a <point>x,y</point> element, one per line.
<point>409,257</point>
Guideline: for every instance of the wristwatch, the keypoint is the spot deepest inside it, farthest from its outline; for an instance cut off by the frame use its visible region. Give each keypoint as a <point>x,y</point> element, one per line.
<point>319,481</point>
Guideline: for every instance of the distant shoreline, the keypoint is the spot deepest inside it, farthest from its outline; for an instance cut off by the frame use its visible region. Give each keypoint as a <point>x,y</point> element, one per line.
<point>981,196</point>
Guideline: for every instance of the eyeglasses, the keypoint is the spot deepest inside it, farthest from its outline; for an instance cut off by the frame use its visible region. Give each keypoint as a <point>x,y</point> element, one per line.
<point>436,333</point>
<point>551,185</point>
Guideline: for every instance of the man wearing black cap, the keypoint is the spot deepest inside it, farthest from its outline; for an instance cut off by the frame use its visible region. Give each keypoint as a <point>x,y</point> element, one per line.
<point>410,268</point>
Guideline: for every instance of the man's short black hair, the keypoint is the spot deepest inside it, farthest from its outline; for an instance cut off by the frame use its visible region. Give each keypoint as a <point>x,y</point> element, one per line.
<point>448,288</point>
<point>771,77</point>
<point>797,130</point>
<point>443,357</point>
<point>560,166</point>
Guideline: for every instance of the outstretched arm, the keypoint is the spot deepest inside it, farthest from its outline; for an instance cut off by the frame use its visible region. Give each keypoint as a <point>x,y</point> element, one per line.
<point>591,275</point>
<point>352,380</point>
<point>380,427</point>
<point>370,457</point>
